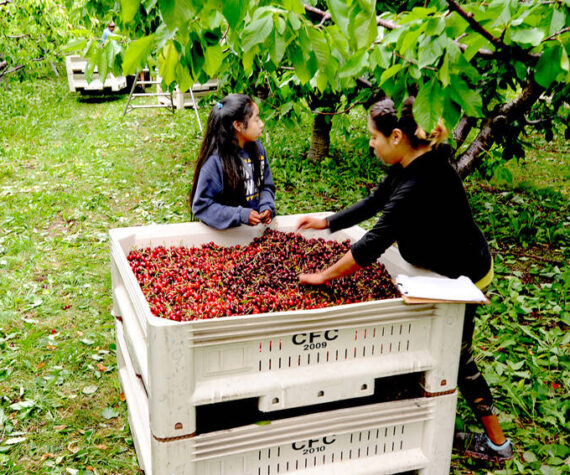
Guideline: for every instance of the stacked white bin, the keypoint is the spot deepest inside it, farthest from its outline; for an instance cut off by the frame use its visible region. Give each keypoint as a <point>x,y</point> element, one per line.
<point>285,360</point>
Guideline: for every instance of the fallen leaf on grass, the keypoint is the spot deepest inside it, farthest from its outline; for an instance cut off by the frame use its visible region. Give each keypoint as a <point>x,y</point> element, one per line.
<point>110,413</point>
<point>88,390</point>
<point>72,448</point>
<point>101,367</point>
<point>61,427</point>
<point>122,397</point>
<point>51,347</point>
<point>102,447</point>
<point>47,455</point>
<point>14,440</point>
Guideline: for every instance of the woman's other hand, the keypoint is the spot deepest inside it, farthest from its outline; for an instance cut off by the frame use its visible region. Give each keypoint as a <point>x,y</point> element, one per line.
<point>254,218</point>
<point>265,216</point>
<point>310,222</point>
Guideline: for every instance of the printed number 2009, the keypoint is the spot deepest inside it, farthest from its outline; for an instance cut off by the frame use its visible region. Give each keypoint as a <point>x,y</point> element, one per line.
<point>312,450</point>
<point>315,346</point>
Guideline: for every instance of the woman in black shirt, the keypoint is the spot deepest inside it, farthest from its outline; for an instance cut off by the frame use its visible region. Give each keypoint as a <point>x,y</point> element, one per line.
<point>425,210</point>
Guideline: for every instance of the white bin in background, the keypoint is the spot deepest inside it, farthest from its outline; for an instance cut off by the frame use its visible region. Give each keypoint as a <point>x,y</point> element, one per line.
<point>277,357</point>
<point>385,438</point>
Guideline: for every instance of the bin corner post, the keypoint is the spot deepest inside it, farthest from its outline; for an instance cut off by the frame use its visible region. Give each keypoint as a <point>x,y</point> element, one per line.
<point>172,413</point>
<point>439,434</point>
<point>445,343</point>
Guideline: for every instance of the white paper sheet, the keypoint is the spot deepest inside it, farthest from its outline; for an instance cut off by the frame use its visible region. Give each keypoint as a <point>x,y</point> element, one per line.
<point>461,289</point>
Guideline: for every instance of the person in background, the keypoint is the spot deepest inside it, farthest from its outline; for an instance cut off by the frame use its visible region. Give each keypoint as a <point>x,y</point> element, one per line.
<point>425,210</point>
<point>108,31</point>
<point>232,183</point>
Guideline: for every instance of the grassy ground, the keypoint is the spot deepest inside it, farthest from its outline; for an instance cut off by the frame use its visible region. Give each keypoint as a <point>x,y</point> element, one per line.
<point>72,169</point>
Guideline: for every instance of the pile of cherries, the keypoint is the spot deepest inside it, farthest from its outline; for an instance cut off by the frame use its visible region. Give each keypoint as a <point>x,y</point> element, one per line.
<point>211,281</point>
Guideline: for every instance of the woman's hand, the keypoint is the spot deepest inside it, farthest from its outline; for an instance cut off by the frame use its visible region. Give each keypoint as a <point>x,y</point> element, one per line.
<point>310,222</point>
<point>265,216</point>
<point>313,279</point>
<point>254,218</point>
<point>345,266</point>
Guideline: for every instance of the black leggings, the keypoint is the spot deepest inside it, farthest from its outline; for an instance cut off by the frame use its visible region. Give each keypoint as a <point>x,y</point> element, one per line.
<point>471,382</point>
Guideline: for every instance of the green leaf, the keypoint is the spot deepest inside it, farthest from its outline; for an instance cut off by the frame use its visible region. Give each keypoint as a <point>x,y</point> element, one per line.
<point>320,46</point>
<point>110,413</point>
<point>257,32</point>
<point>75,45</point>
<point>295,6</point>
<point>214,56</point>
<point>557,22</point>
<point>362,24</point>
<point>435,26</point>
<point>428,106</point>
<point>531,36</point>
<point>443,72</point>
<point>247,59</point>
<point>170,59</point>
<point>183,77</point>
<point>277,50</point>
<point>469,100</point>
<point>175,13</point>
<point>451,111</point>
<point>392,71</point>
<point>102,67</point>
<point>549,65</point>
<point>354,65</point>
<point>129,9</point>
<point>339,10</point>
<point>381,56</point>
<point>409,38</point>
<point>136,54</point>
<point>234,11</point>
<point>322,81</point>
<point>429,51</point>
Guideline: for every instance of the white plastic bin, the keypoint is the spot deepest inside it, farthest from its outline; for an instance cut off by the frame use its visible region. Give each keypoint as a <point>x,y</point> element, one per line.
<point>385,438</point>
<point>75,66</point>
<point>286,359</point>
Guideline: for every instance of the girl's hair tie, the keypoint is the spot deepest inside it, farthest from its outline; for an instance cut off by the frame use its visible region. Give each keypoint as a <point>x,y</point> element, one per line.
<point>220,105</point>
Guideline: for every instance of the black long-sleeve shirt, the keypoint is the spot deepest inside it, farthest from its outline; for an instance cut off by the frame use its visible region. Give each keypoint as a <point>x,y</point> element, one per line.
<point>425,210</point>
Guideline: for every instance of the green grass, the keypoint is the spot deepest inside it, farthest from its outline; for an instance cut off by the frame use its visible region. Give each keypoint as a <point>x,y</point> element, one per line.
<point>72,169</point>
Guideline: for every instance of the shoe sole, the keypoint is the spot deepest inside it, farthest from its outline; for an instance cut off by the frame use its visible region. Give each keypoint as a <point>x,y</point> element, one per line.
<point>487,458</point>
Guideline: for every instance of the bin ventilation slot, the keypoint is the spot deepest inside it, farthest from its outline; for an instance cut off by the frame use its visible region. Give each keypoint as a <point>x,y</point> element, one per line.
<point>314,348</point>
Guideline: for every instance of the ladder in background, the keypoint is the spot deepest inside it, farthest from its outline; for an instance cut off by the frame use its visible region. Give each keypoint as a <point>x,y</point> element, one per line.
<point>165,98</point>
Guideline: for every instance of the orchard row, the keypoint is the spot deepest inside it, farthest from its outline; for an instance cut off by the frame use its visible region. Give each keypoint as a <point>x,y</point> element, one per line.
<point>211,281</point>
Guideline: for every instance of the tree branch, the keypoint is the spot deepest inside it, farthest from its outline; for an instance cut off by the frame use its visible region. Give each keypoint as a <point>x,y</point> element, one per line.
<point>561,32</point>
<point>3,64</point>
<point>5,2</point>
<point>502,115</point>
<point>324,15</point>
<point>17,37</point>
<point>13,70</point>
<point>474,24</point>
<point>462,130</point>
<point>503,50</point>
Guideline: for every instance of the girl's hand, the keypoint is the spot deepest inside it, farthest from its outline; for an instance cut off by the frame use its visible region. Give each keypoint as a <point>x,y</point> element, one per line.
<point>312,279</point>
<point>265,216</point>
<point>254,218</point>
<point>310,222</point>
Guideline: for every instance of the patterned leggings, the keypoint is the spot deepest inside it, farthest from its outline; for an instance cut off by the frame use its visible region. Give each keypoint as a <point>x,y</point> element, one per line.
<point>471,382</point>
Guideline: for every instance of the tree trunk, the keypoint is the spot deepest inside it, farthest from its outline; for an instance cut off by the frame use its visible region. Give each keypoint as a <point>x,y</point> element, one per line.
<point>320,138</point>
<point>503,115</point>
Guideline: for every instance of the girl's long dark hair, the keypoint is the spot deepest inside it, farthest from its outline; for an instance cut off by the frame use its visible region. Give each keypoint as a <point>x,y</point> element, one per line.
<point>221,140</point>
